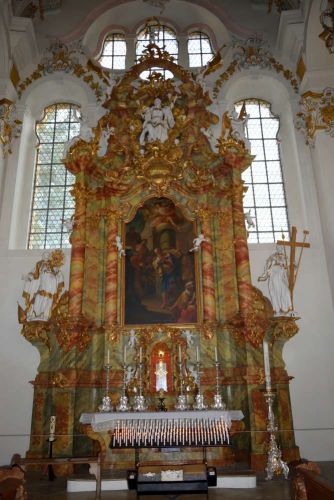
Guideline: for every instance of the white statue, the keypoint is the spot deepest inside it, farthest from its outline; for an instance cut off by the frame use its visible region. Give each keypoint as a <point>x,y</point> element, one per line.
<point>86,133</point>
<point>119,246</point>
<point>68,224</point>
<point>197,242</point>
<point>129,374</point>
<point>238,128</point>
<point>132,342</point>
<point>104,139</point>
<point>193,372</point>
<point>189,336</point>
<point>157,121</point>
<point>249,219</point>
<point>275,272</point>
<point>43,287</point>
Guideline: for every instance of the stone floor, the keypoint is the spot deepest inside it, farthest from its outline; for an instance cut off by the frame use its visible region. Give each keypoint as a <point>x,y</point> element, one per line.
<point>39,488</point>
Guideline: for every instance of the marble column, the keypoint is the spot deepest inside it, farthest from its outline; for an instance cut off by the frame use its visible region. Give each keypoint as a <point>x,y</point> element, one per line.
<point>209,301</point>
<point>78,240</point>
<point>240,245</point>
<point>111,275</point>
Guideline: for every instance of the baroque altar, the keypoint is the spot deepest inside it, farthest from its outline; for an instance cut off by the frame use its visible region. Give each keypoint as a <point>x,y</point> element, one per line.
<point>160,275</point>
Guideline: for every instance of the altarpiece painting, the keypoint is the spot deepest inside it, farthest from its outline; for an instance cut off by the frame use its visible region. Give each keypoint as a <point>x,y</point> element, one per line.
<point>160,277</point>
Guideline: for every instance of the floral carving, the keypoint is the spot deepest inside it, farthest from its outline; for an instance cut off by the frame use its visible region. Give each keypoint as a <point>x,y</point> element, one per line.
<point>317,113</point>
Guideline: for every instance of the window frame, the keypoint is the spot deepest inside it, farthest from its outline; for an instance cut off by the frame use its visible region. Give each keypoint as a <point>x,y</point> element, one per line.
<point>67,207</point>
<point>256,235</point>
<point>203,35</point>
<point>112,56</point>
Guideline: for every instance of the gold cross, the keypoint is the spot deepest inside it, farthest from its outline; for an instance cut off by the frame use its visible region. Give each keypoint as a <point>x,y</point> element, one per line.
<point>294,244</point>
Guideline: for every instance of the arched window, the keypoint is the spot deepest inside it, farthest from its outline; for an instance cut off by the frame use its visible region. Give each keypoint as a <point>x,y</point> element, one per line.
<point>52,203</point>
<point>113,51</point>
<point>199,49</point>
<point>265,197</point>
<point>164,38</point>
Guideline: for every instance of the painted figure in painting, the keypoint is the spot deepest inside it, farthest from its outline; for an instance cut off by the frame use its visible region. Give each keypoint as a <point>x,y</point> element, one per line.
<point>160,272</point>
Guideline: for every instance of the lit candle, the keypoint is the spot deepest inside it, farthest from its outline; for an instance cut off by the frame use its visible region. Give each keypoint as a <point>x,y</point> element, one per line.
<point>140,354</point>
<point>266,365</point>
<point>52,427</point>
<point>216,355</point>
<point>197,354</point>
<point>124,355</point>
<point>180,354</point>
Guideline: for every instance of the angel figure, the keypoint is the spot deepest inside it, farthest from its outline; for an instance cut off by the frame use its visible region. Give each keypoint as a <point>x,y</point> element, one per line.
<point>132,342</point>
<point>119,246</point>
<point>249,219</point>
<point>197,242</point>
<point>86,133</point>
<point>189,336</point>
<point>104,140</point>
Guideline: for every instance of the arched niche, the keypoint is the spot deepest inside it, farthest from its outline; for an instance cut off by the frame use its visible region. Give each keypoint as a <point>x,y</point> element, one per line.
<point>42,93</point>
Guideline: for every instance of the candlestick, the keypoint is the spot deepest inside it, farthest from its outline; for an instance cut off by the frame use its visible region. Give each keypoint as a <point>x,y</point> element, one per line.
<point>52,428</point>
<point>266,365</point>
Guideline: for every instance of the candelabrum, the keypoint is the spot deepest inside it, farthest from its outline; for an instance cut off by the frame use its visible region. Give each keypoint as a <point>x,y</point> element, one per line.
<point>218,403</point>
<point>123,404</point>
<point>181,402</point>
<point>199,399</point>
<point>106,405</point>
<point>275,464</point>
<point>139,402</point>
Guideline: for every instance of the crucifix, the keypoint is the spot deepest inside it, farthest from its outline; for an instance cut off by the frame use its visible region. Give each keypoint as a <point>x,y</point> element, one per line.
<point>293,267</point>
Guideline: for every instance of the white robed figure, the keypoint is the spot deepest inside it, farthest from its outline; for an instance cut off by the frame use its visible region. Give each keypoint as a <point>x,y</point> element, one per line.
<point>275,272</point>
<point>157,121</point>
<point>43,287</point>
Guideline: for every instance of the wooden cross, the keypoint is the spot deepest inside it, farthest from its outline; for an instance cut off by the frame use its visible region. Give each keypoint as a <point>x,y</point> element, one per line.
<point>294,244</point>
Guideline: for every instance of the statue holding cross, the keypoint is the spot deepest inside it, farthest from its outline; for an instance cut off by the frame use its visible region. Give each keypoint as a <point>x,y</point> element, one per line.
<point>281,271</point>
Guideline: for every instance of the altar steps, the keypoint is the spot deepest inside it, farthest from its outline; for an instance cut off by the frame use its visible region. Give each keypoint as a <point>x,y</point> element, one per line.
<point>116,481</point>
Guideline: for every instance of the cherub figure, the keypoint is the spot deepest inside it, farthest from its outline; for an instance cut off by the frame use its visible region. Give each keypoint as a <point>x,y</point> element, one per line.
<point>132,342</point>
<point>249,219</point>
<point>189,336</point>
<point>119,246</point>
<point>197,242</point>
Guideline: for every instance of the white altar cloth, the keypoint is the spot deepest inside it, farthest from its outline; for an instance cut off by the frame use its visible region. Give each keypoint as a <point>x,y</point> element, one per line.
<point>109,421</point>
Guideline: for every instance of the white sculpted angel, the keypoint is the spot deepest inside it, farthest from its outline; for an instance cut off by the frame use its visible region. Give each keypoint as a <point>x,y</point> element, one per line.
<point>189,336</point>
<point>249,219</point>
<point>85,133</point>
<point>132,342</point>
<point>119,246</point>
<point>197,242</point>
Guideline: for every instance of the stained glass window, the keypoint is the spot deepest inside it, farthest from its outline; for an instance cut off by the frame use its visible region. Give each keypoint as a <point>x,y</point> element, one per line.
<point>114,51</point>
<point>164,38</point>
<point>52,203</point>
<point>199,49</point>
<point>265,198</point>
